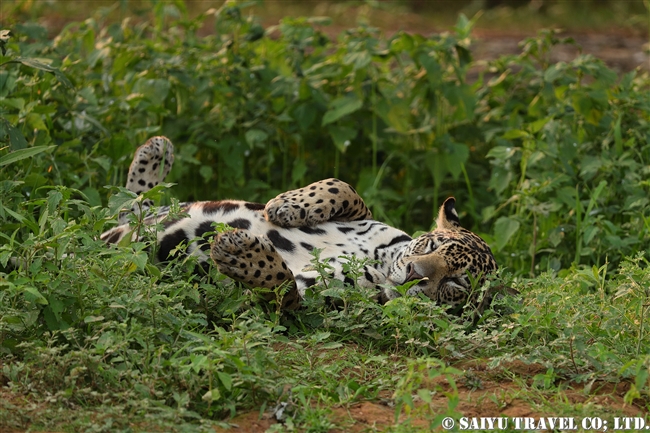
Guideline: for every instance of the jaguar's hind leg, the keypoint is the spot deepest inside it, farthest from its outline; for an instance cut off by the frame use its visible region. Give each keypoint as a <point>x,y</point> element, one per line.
<point>325,200</point>
<point>151,164</point>
<point>254,261</point>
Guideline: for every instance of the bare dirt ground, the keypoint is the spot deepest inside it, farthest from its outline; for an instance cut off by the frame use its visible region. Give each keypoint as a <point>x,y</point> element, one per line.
<point>620,50</point>
<point>490,394</point>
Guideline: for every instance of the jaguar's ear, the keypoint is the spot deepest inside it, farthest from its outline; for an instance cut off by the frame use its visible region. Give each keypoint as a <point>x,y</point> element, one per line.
<point>448,217</point>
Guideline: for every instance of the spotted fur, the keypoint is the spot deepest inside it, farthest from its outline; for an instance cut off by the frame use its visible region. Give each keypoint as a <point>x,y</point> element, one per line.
<point>271,244</point>
<point>151,164</point>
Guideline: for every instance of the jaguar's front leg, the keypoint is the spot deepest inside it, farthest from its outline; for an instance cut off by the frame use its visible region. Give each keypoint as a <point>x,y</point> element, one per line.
<point>325,200</point>
<point>254,261</point>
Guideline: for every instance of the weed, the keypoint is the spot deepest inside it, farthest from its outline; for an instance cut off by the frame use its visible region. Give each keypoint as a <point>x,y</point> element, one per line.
<point>549,159</point>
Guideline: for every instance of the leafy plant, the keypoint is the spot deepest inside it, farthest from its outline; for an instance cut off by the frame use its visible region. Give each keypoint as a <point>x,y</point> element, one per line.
<point>548,162</point>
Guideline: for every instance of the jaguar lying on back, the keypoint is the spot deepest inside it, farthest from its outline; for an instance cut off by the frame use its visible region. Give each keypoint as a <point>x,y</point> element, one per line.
<point>271,243</point>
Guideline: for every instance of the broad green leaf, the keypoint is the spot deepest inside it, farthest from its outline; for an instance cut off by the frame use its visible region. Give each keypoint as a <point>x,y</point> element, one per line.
<point>92,196</point>
<point>502,152</point>
<point>53,200</point>
<point>20,218</point>
<point>425,395</point>
<point>206,172</point>
<point>16,138</point>
<point>456,156</point>
<point>341,107</point>
<point>225,379</point>
<point>515,133</point>
<point>537,125</point>
<point>212,395</point>
<point>504,228</point>
<point>305,114</point>
<point>21,154</point>
<point>34,295</point>
<point>433,68</point>
<point>35,121</point>
<point>298,171</point>
<point>255,136</point>
<point>17,103</point>
<point>33,63</point>
<point>554,72</point>
<point>331,345</point>
<point>586,106</point>
<point>123,200</point>
<point>402,43</point>
<point>139,259</point>
<point>398,116</point>
<point>358,60</point>
<point>342,136</point>
<point>52,314</point>
<point>155,90</point>
<point>461,97</point>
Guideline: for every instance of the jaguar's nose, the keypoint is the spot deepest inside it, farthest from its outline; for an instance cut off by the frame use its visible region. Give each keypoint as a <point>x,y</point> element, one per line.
<point>411,273</point>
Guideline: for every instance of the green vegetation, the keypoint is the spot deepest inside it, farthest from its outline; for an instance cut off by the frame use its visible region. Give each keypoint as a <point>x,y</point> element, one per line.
<point>548,162</point>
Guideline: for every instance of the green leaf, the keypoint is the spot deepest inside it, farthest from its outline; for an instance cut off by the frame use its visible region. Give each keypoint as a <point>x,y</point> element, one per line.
<point>16,138</point>
<point>502,152</point>
<point>34,295</point>
<point>20,154</point>
<point>206,172</point>
<point>139,259</point>
<point>255,136</point>
<point>226,379</point>
<point>515,133</point>
<point>586,105</point>
<point>298,171</point>
<point>153,270</point>
<point>457,156</point>
<point>342,136</point>
<point>331,345</point>
<point>433,68</point>
<point>504,228</point>
<point>358,60</point>
<point>123,200</point>
<point>17,103</point>
<point>53,200</point>
<point>618,136</point>
<point>395,112</point>
<point>425,395</point>
<point>35,121</point>
<point>436,165</point>
<point>554,72</point>
<point>341,107</point>
<point>155,90</point>
<point>33,63</point>
<point>92,196</point>
<point>537,125</point>
<point>52,314</point>
<point>463,98</point>
<point>212,395</point>
<point>305,114</point>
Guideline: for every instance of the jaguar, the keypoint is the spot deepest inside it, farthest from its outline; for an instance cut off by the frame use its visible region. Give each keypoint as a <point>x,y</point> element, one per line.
<point>272,244</point>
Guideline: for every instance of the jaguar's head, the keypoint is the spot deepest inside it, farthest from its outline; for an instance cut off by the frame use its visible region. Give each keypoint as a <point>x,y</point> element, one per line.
<point>443,259</point>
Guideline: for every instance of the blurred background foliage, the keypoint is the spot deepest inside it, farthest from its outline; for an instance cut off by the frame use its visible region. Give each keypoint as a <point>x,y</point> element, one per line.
<point>548,161</point>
